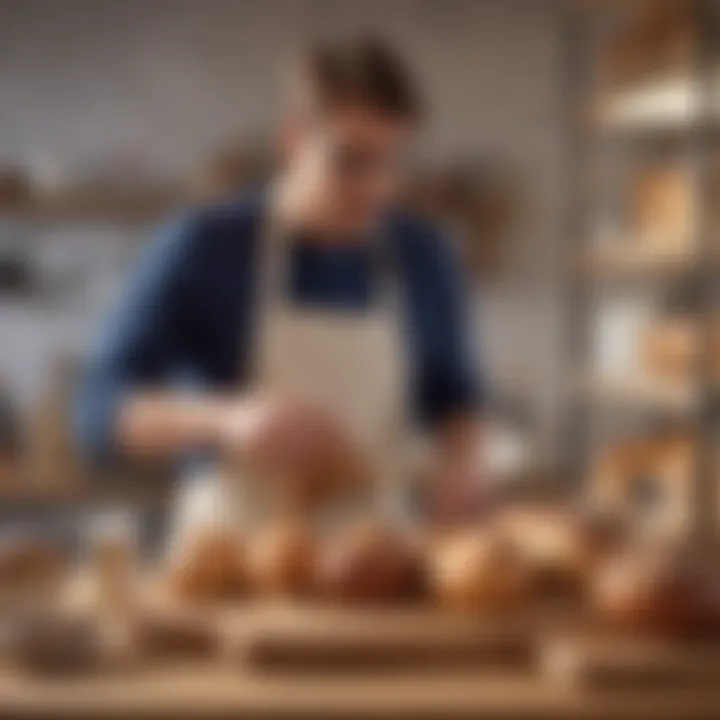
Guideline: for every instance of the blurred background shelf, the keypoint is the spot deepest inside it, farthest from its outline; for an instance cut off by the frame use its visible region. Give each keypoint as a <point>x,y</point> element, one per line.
<point>640,394</point>
<point>138,207</point>
<point>647,68</point>
<point>142,488</point>
<point>672,104</point>
<point>636,261</point>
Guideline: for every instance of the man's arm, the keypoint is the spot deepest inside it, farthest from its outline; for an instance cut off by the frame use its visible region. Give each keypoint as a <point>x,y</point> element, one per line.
<point>456,378</point>
<point>119,411</point>
<point>448,388</point>
<point>127,409</point>
<point>160,424</point>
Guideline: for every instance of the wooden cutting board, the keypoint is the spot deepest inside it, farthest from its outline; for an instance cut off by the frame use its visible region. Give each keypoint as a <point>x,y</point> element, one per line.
<point>614,662</point>
<point>338,639</point>
<point>215,688</point>
<point>330,639</point>
<point>309,637</point>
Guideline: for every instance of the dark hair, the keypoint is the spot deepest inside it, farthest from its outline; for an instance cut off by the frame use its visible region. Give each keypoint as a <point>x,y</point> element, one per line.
<point>362,71</point>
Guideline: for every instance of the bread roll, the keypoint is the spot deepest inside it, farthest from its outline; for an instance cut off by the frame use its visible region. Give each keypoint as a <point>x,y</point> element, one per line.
<point>659,590</point>
<point>281,559</point>
<point>369,563</point>
<point>478,571</point>
<point>560,547</point>
<point>209,564</point>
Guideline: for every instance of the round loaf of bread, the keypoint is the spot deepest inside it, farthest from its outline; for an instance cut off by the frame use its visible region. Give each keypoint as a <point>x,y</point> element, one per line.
<point>281,559</point>
<point>655,590</point>
<point>478,571</point>
<point>209,564</point>
<point>368,563</point>
<point>561,548</point>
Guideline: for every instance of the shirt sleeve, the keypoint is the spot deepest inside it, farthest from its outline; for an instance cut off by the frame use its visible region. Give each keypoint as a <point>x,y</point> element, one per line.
<point>446,379</point>
<point>142,341</point>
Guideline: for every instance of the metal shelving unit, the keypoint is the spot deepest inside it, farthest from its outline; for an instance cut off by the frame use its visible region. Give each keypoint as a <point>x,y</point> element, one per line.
<point>684,111</point>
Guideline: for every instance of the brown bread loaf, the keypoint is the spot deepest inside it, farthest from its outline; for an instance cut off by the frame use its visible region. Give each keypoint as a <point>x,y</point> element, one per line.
<point>368,563</point>
<point>281,559</point>
<point>209,563</point>
<point>478,571</point>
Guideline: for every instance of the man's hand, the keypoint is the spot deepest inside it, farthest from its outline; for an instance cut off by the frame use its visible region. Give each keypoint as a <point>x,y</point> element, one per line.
<point>458,496</point>
<point>458,489</point>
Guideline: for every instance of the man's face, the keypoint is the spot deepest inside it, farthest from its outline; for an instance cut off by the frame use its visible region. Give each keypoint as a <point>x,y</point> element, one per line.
<point>353,161</point>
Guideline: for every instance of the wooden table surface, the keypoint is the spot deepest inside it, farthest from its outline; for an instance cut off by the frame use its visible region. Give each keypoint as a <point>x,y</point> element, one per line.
<point>230,685</point>
<point>206,690</point>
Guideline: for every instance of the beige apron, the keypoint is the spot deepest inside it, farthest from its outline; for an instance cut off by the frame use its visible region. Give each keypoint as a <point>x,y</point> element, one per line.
<point>351,362</point>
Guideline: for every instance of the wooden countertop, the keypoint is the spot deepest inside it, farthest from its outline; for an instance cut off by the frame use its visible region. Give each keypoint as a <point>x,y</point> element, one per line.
<point>205,690</point>
<point>235,685</point>
<point>232,685</point>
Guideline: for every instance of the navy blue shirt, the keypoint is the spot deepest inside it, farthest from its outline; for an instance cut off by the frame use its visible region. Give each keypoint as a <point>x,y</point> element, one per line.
<point>190,312</point>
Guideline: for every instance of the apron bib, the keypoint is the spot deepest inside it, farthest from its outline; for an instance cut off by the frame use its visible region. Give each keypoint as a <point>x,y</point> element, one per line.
<point>351,362</point>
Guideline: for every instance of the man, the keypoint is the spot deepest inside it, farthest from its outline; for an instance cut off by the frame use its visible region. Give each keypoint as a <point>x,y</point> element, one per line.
<point>318,318</point>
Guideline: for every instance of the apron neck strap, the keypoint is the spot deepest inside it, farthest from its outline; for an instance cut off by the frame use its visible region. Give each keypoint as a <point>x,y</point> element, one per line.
<point>275,253</point>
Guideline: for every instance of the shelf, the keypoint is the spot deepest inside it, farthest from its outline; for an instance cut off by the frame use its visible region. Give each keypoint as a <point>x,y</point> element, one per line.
<point>636,260</point>
<point>673,110</point>
<point>667,104</point>
<point>144,205</point>
<point>639,393</point>
<point>598,5</point>
<point>142,489</point>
